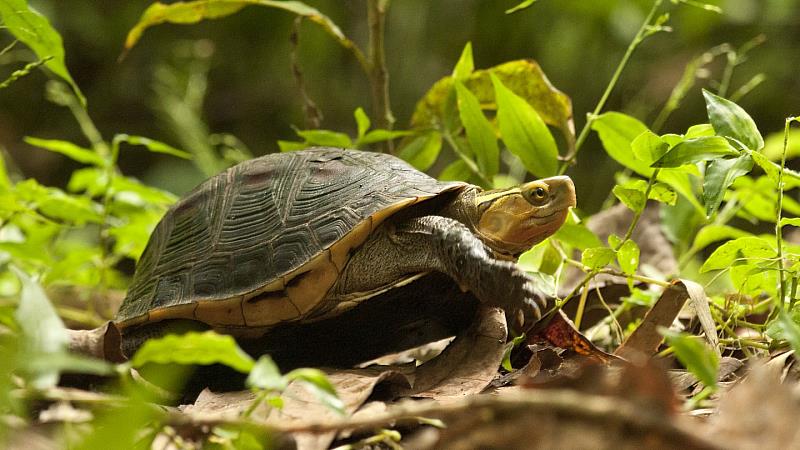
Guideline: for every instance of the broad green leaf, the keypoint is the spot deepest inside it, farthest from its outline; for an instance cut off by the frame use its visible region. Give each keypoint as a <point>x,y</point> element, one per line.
<point>78,210</point>
<point>701,130</point>
<point>142,194</point>
<point>648,147</point>
<point>465,66</point>
<point>319,385</point>
<point>523,77</point>
<point>456,171</point>
<point>67,362</point>
<point>632,198</point>
<point>737,251</point>
<point>194,348</point>
<point>773,146</point>
<point>793,221</point>
<point>362,122</point>
<point>152,145</point>
<point>423,150</point>
<point>695,150</point>
<point>597,257</point>
<point>699,359</point>
<point>791,178</point>
<point>715,233</point>
<point>381,135</point>
<point>325,138</point>
<point>524,132</point>
<point>720,174</point>
<point>617,132</point>
<point>479,131</point>
<point>663,193</point>
<point>68,149</point>
<point>578,236</point>
<point>628,257</point>
<point>188,12</point>
<point>291,146</point>
<point>42,330</point>
<point>525,4</point>
<point>266,375</point>
<point>35,31</point>
<point>731,121</point>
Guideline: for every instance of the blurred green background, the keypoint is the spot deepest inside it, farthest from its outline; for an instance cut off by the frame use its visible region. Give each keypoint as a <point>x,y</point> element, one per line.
<point>238,70</point>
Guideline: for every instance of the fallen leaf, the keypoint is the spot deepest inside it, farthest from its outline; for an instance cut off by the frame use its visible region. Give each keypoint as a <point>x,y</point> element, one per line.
<point>468,364</point>
<point>646,338</point>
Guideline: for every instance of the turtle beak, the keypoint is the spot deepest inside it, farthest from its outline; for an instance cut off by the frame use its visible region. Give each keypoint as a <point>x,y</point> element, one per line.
<point>562,193</point>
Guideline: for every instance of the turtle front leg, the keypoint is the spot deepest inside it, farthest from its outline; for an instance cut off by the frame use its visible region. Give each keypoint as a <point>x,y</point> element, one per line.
<point>436,243</point>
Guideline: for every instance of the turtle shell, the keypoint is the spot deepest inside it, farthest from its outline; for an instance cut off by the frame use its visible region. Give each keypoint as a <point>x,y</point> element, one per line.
<point>264,241</point>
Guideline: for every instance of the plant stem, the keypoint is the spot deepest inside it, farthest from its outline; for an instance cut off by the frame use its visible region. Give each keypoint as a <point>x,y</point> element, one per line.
<point>471,165</point>
<point>312,113</point>
<point>640,35</point>
<point>778,230</point>
<point>378,73</point>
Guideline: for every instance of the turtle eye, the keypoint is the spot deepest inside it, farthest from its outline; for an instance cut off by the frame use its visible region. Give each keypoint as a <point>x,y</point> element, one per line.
<point>535,196</point>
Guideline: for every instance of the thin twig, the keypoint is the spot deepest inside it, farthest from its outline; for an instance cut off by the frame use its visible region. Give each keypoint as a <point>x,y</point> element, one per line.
<point>640,35</point>
<point>310,110</point>
<point>378,73</point>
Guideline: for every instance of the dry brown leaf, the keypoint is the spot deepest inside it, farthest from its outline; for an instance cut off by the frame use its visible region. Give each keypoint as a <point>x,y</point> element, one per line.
<point>561,332</point>
<point>468,364</point>
<point>301,408</point>
<point>646,338</point>
<point>759,412</point>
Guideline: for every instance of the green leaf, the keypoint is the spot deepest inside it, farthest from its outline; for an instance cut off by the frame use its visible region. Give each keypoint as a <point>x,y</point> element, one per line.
<point>648,147</point>
<point>786,328</point>
<point>381,135</point>
<point>617,132</point>
<point>731,121</point>
<point>362,122</point>
<point>720,174</point>
<point>479,131</point>
<point>701,130</point>
<point>597,257</point>
<point>291,146</point>
<point>68,149</point>
<point>632,198</point>
<point>456,171</point>
<point>152,145</point>
<point>791,179</point>
<point>578,236</point>
<point>35,31</point>
<point>266,375</point>
<point>773,146</point>
<point>695,150</point>
<point>698,358</point>
<point>793,221</point>
<point>190,12</point>
<point>715,233</point>
<point>737,251</point>
<point>628,257</point>
<point>319,385</point>
<point>524,132</point>
<point>325,138</point>
<point>194,348</point>
<point>465,66</point>
<point>43,331</point>
<point>525,4</point>
<point>423,150</point>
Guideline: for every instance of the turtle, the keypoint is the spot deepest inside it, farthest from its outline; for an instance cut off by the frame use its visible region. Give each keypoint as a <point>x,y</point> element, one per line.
<point>296,239</point>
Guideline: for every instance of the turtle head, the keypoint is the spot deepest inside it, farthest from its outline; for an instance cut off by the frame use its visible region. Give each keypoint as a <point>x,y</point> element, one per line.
<point>513,220</point>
